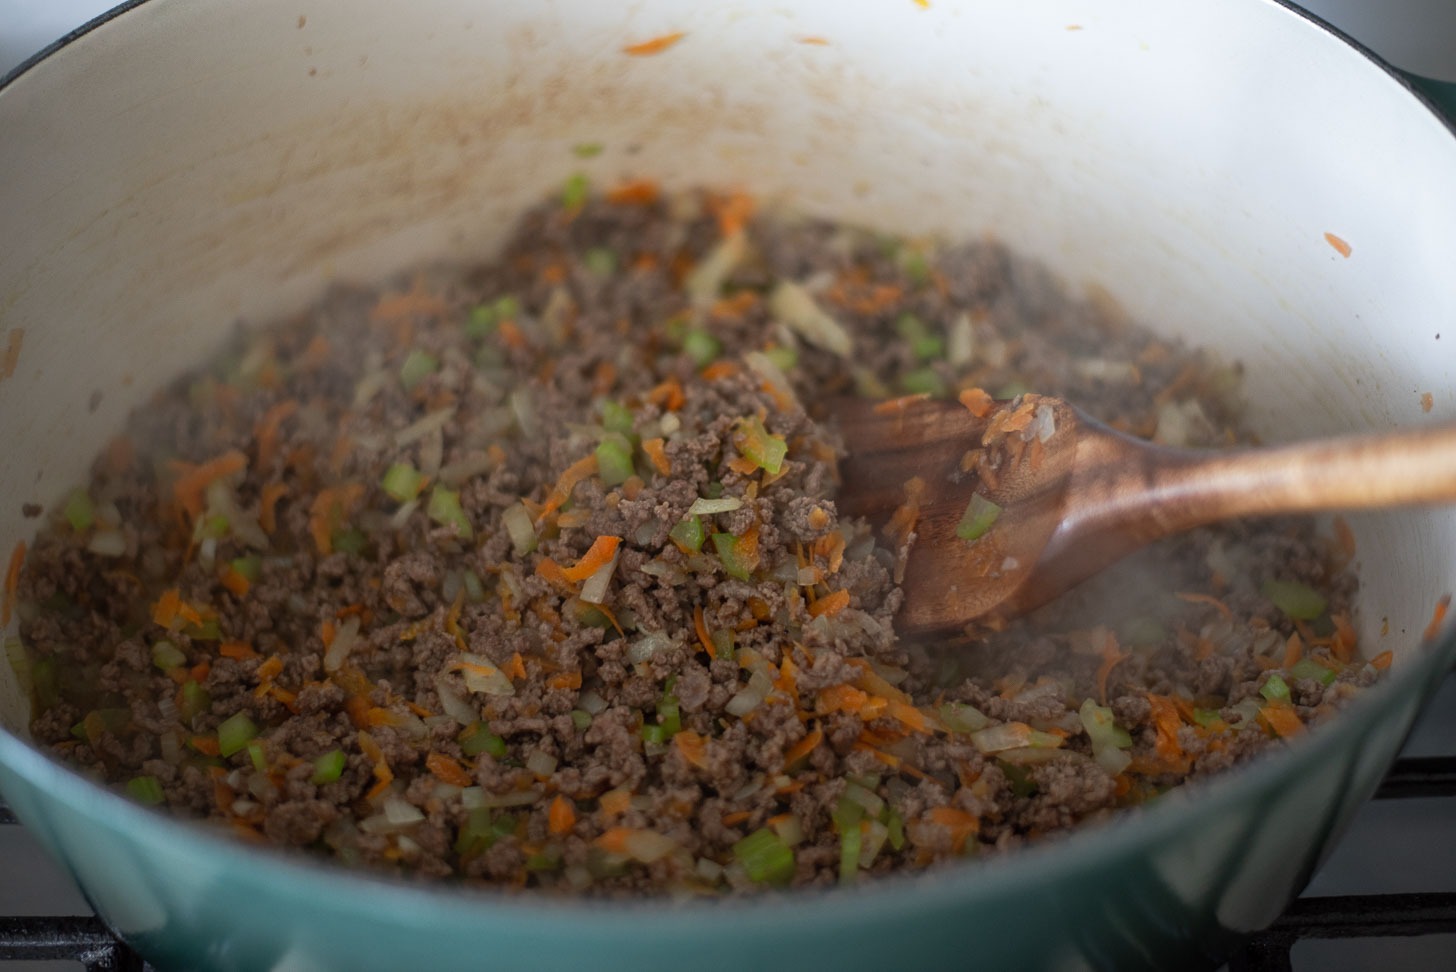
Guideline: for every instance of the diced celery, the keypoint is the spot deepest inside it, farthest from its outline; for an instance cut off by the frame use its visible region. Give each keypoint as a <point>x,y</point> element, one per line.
<point>235,733</point>
<point>476,835</point>
<point>167,656</point>
<point>329,767</point>
<point>444,508</point>
<point>257,755</point>
<point>766,859</point>
<point>923,381</point>
<point>145,789</point>
<point>479,739</point>
<point>1297,600</point>
<point>701,346</point>
<point>402,482</point>
<point>617,418</point>
<point>418,365</point>
<point>587,150</point>
<point>614,460</point>
<point>732,556</point>
<point>782,358</point>
<point>581,719</point>
<point>250,568</point>
<point>352,541</point>
<point>688,534</point>
<point>193,701</point>
<point>1309,668</point>
<point>574,193</point>
<point>1275,689</point>
<point>924,345</point>
<point>600,260</point>
<point>655,735</point>
<point>79,511</point>
<point>979,516</point>
<point>759,446</point>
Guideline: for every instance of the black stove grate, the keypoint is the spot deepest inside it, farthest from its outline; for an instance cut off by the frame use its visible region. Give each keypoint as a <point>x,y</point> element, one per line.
<point>87,940</point>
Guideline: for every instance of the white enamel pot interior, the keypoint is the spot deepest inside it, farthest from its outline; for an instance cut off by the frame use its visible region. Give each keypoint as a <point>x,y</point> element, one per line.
<point>192,163</point>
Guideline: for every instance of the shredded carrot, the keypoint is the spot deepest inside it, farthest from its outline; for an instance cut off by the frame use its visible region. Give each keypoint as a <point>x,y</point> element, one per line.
<point>669,395</point>
<point>1112,656</point>
<point>328,511</point>
<point>732,211</point>
<point>736,817</point>
<point>164,612</point>
<point>742,465</point>
<point>719,370</point>
<point>11,356</point>
<point>1193,597</point>
<point>959,823</point>
<point>614,803</point>
<point>268,505</point>
<point>206,745</point>
<point>844,698</point>
<point>614,840</point>
<point>894,406</point>
<point>602,550</point>
<point>1282,720</point>
<point>194,480</point>
<point>1382,661</point>
<point>517,667</point>
<point>700,625</point>
<point>266,431</point>
<point>237,650</point>
<point>909,716</point>
<point>552,571</point>
<point>816,41</point>
<point>234,581</point>
<point>570,477</point>
<point>654,46</point>
<point>12,582</point>
<point>1432,629</point>
<point>1167,721</point>
<point>565,680</point>
<point>1340,246</point>
<point>830,604</point>
<point>561,816</point>
<point>693,747</point>
<point>1343,644</point>
<point>270,669</point>
<point>638,192</point>
<point>1293,650</point>
<point>656,450</point>
<point>803,747</point>
<point>447,770</point>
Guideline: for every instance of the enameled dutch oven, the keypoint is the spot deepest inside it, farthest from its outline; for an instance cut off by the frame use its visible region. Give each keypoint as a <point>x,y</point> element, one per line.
<point>1234,173</point>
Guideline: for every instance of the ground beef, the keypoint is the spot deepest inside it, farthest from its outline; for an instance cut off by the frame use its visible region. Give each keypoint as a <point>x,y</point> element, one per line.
<point>533,574</point>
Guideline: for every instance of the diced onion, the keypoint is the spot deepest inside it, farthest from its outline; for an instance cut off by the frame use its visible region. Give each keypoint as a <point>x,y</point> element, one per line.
<point>763,366</point>
<point>797,308</point>
<point>702,506</point>
<point>591,700</point>
<point>647,645</point>
<point>541,763</point>
<point>751,696</point>
<point>346,639</point>
<point>517,521</point>
<point>648,846</point>
<point>1012,735</point>
<point>107,543</point>
<point>482,676</point>
<point>705,280</point>
<point>594,588</point>
<point>960,345</point>
<point>454,703</point>
<point>398,810</point>
<point>524,410</point>
<point>433,422</point>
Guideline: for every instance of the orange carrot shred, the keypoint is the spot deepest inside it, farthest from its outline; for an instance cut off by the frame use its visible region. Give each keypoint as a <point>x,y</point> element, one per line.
<point>600,554</point>
<point>12,582</point>
<point>614,840</point>
<point>719,370</point>
<point>736,817</point>
<point>1432,629</point>
<point>830,604</point>
<point>654,46</point>
<point>1193,597</point>
<point>638,192</point>
<point>564,680</point>
<point>573,474</point>
<point>656,450</point>
<point>804,746</point>
<point>234,581</point>
<point>266,432</point>
<point>909,716</point>
<point>1340,246</point>
<point>164,612</point>
<point>447,770</point>
<point>669,395</point>
<point>237,650</point>
<point>1282,720</point>
<point>270,669</point>
<point>700,625</point>
<point>1293,650</point>
<point>892,406</point>
<point>517,668</point>
<point>561,816</point>
<point>1112,656</point>
<point>1382,661</point>
<point>732,211</point>
<point>189,487</point>
<point>845,698</point>
<point>328,511</point>
<point>693,747</point>
<point>268,505</point>
<point>614,803</point>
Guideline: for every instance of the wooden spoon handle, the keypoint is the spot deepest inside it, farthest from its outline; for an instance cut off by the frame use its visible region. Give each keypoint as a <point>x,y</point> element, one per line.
<point>1175,490</point>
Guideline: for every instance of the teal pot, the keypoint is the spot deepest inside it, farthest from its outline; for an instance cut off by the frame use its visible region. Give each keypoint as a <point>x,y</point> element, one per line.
<point>184,164</point>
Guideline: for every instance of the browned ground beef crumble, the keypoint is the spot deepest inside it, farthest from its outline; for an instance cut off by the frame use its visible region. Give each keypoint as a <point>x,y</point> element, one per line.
<point>237,551</point>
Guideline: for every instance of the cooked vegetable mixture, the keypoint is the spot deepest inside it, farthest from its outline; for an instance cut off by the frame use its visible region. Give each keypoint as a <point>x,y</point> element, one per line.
<point>533,574</point>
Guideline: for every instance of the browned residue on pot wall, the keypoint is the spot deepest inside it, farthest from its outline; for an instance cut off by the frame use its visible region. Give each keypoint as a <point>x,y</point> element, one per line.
<point>10,357</point>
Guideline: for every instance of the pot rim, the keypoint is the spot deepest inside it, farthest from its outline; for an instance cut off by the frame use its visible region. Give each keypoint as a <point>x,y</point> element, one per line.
<point>1085,850</point>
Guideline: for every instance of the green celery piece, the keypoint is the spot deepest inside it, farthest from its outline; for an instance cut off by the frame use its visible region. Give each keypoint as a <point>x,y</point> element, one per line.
<point>476,834</point>
<point>194,701</point>
<point>235,733</point>
<point>600,260</point>
<point>1275,689</point>
<point>574,193</point>
<point>979,516</point>
<point>250,568</point>
<point>478,738</point>
<point>444,508</point>
<point>402,482</point>
<point>1297,600</point>
<point>352,541</point>
<point>759,446</point>
<point>1309,668</point>
<point>614,460</point>
<point>79,511</point>
<point>655,735</point>
<point>688,534</point>
<point>146,790</point>
<point>701,346</point>
<point>329,767</point>
<point>766,859</point>
<point>587,150</point>
<point>924,345</point>
<point>731,556</point>
<point>923,381</point>
<point>581,719</point>
<point>784,359</point>
<point>258,756</point>
<point>167,656</point>
<point>617,418</point>
<point>418,365</point>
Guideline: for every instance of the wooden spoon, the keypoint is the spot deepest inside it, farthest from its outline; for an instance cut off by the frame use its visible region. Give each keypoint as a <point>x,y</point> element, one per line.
<point>1076,496</point>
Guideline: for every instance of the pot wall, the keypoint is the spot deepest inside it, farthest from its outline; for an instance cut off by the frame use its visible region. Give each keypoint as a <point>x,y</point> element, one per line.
<point>193,164</point>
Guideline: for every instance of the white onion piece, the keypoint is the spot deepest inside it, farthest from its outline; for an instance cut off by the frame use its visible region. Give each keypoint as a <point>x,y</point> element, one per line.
<point>797,308</point>
<point>541,763</point>
<point>702,506</point>
<point>648,846</point>
<point>524,410</point>
<point>399,811</point>
<point>1112,759</point>
<point>763,366</point>
<point>705,280</point>
<point>960,344</point>
<point>346,639</point>
<point>591,700</point>
<point>594,588</point>
<point>517,521</point>
<point>1012,735</point>
<point>432,452</point>
<point>107,543</point>
<point>433,422</point>
<point>484,676</point>
<point>454,703</point>
<point>461,471</point>
<point>649,644</point>
<point>751,696</point>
